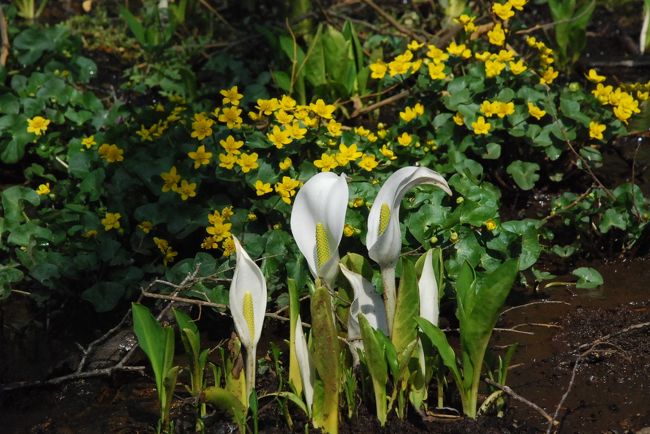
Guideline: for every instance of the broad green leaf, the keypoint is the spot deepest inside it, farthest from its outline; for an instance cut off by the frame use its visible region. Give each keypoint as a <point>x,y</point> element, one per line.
<point>406,308</point>
<point>439,340</point>
<point>612,218</point>
<point>376,362</point>
<point>587,277</point>
<point>524,174</point>
<point>12,202</point>
<point>227,401</point>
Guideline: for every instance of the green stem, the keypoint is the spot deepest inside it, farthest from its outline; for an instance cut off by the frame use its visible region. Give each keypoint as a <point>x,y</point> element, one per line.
<point>250,371</point>
<point>388,279</point>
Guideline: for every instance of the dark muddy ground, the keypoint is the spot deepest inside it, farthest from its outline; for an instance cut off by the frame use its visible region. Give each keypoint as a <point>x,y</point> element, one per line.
<point>554,329</point>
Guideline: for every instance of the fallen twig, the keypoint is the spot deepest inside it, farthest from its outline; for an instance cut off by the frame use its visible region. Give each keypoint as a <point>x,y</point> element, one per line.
<point>532,303</point>
<point>393,22</point>
<point>607,337</point>
<point>391,99</point>
<point>508,391</point>
<point>5,39</point>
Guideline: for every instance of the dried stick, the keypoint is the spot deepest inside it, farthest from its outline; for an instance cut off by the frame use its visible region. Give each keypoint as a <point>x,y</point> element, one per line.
<point>385,15</point>
<point>508,391</point>
<point>5,39</point>
<point>554,421</point>
<point>391,99</point>
<point>532,303</point>
<point>611,335</point>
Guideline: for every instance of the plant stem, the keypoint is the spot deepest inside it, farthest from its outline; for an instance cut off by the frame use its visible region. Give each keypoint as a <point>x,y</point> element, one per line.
<point>388,279</point>
<point>250,370</point>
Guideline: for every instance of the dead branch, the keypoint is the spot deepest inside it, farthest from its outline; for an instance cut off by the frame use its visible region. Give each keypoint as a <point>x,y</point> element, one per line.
<point>607,337</point>
<point>393,22</point>
<point>4,53</point>
<point>391,99</point>
<point>532,303</point>
<point>508,391</point>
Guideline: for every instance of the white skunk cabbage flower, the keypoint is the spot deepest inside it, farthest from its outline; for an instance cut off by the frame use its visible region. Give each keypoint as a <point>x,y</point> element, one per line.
<point>247,302</point>
<point>305,365</point>
<point>317,222</point>
<point>384,238</point>
<point>428,290</point>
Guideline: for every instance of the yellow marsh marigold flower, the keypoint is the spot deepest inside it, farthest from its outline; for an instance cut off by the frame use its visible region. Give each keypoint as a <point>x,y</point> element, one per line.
<point>436,71</point>
<point>517,67</point>
<point>92,233</point>
<point>401,64</point>
<point>326,163</point>
<point>436,54</point>
<point>602,93</point>
<point>535,111</point>
<point>228,247</point>
<point>251,217</point>
<point>231,96</point>
<point>144,133</point>
<point>88,142</point>
<point>480,126</point>
<point>321,109</point>
<point>145,226</point>
<point>504,109</point>
<point>37,125</point>
<point>405,139</point>
<point>231,117</point>
<point>267,106</point>
<point>459,50</point>
<point>505,55</point>
<point>518,4</point>
<point>594,77</point>
<point>488,108</point>
<point>347,154</point>
<point>227,161</point>
<point>458,119</point>
<point>388,153</point>
<point>497,36</point>
<point>111,153</point>
<point>200,156</point>
<point>279,137</point>
<point>548,76</point>
<point>231,145</point>
<point>348,230</point>
<point>483,55</point>
<point>170,179</point>
<point>219,230</point>
<point>596,130</point>
<point>378,70</point>
<point>111,221</point>
<point>414,45</point>
<point>201,127</point>
<point>493,68</point>
<point>186,189</point>
<point>368,162</point>
<point>248,162</point>
<point>334,128</point>
<point>227,212</point>
<point>262,188</point>
<point>467,22</point>
<point>503,10</point>
<point>361,131</point>
<point>287,189</point>
<point>295,131</point>
<point>165,249</point>
<point>43,189</point>
<point>287,103</point>
<point>209,243</point>
<point>283,117</point>
<point>286,163</point>
<point>408,114</point>
<point>490,225</point>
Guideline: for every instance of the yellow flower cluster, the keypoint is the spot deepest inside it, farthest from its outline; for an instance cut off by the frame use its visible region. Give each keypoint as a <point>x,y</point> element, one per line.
<point>166,250</point>
<point>172,182</point>
<point>219,231</point>
<point>467,22</point>
<point>286,188</point>
<point>155,131</point>
<point>111,221</point>
<point>623,103</point>
<point>546,59</point>
<point>411,113</point>
<point>37,125</point>
<point>498,108</point>
<point>111,153</point>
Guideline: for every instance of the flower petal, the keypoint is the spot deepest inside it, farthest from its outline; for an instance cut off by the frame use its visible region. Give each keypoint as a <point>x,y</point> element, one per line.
<point>247,278</point>
<point>323,199</point>
<point>366,301</point>
<point>384,248</point>
<point>428,289</point>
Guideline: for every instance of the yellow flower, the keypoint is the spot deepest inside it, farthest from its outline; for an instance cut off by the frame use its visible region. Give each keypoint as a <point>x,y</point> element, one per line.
<point>490,225</point>
<point>295,131</point>
<point>144,133</point>
<point>279,137</point>
<point>405,139</point>
<point>480,126</point>
<point>458,119</point>
<point>267,106</point>
<point>227,161</point>
<point>517,67</point>
<point>459,50</point>
<point>37,125</point>
<point>368,162</point>
<point>596,130</point>
<point>111,221</point>
<point>388,153</point>
<point>504,109</point>
<point>231,96</point>
<point>347,154</point>
<point>321,109</point>
<point>436,54</point>
<point>602,93</point>
<point>408,114</point>
<point>488,108</point>
<point>378,70</point>
<point>518,4</point>
<point>88,142</point>
<point>248,162</point>
<point>201,127</point>
<point>594,77</point>
<point>111,153</point>
<point>287,189</point>
<point>287,103</point>
<point>483,55</point>
<point>92,233</point>
<point>326,163</point>
<point>348,230</point>
<point>231,145</point>
<point>535,111</point>
<point>230,116</point>
<point>228,247</point>
<point>414,45</point>
<point>200,156</point>
<point>283,117</point>
<point>187,189</point>
<point>436,71</point>
<point>418,109</point>
<point>548,76</point>
<point>165,249</point>
<point>503,10</point>
<point>251,217</point>
<point>262,188</point>
<point>209,243</point>
<point>361,131</point>
<point>497,36</point>
<point>145,226</point>
<point>467,22</point>
<point>493,68</point>
<point>286,163</point>
<point>334,128</point>
<point>643,96</point>
<point>43,189</point>
<point>219,230</point>
<point>227,212</point>
<point>171,179</point>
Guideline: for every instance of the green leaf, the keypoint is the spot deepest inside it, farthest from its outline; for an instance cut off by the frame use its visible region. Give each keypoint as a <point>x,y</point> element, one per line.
<point>587,277</point>
<point>104,296</point>
<point>376,362</point>
<point>612,218</point>
<point>406,308</point>
<point>12,202</point>
<point>524,174</point>
<point>227,401</point>
<point>439,340</point>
